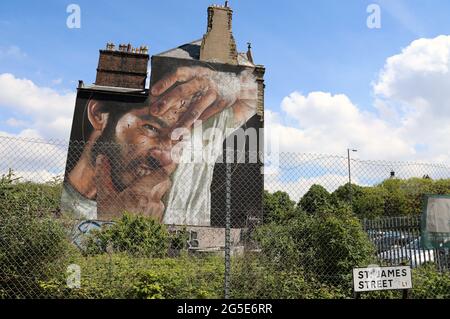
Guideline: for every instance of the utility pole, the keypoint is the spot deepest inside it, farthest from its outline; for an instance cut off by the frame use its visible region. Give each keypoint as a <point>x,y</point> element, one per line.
<point>350,190</point>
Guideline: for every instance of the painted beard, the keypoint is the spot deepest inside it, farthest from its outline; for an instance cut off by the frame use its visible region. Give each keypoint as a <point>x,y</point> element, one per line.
<point>122,174</point>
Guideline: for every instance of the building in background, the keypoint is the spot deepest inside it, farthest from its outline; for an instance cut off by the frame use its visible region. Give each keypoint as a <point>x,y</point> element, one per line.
<point>203,95</point>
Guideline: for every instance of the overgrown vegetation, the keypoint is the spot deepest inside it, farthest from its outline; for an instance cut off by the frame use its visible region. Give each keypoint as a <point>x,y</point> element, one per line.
<point>32,241</point>
<point>136,235</point>
<point>306,249</point>
<point>392,197</point>
<point>121,275</point>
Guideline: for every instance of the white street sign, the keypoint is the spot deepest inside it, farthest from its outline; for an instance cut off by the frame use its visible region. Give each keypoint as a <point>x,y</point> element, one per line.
<point>382,278</point>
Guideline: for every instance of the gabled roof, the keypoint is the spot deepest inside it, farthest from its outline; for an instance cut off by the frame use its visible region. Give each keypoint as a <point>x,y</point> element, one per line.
<point>191,51</point>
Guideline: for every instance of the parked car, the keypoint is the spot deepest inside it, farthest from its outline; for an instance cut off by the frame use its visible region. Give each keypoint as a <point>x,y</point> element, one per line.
<point>386,240</point>
<point>411,253</point>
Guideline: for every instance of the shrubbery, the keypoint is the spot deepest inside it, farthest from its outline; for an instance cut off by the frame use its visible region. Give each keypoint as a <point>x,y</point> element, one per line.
<point>124,276</point>
<point>429,283</point>
<point>254,277</point>
<point>393,197</point>
<point>33,244</point>
<point>304,253</point>
<point>136,235</point>
<point>323,245</point>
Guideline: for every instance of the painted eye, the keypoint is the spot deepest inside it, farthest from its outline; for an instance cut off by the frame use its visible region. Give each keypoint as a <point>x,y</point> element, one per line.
<point>151,128</point>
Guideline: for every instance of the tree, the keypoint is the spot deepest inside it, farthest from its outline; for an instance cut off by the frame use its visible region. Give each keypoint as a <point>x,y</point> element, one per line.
<point>342,193</point>
<point>315,199</point>
<point>325,246</point>
<point>278,206</point>
<point>396,203</point>
<point>370,203</point>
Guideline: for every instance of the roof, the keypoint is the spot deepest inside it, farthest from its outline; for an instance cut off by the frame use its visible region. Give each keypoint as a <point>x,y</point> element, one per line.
<point>191,51</point>
<point>113,89</point>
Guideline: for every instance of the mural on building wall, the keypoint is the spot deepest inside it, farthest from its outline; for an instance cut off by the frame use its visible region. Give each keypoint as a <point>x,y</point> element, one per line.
<point>136,152</point>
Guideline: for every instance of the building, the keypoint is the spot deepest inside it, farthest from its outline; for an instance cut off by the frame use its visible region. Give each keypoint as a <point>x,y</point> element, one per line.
<point>121,83</point>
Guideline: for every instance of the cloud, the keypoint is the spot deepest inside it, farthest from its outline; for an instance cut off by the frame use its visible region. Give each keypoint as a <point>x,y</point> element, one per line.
<point>409,121</point>
<point>296,189</point>
<point>48,111</point>
<point>327,123</point>
<point>415,85</point>
<point>11,51</point>
<point>13,122</point>
<point>38,152</point>
<point>30,157</point>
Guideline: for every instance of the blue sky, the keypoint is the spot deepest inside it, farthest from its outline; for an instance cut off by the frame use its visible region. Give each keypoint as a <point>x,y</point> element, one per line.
<point>306,46</point>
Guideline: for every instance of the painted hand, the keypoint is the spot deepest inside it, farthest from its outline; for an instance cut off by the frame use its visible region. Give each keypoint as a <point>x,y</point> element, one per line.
<point>143,197</point>
<point>200,93</point>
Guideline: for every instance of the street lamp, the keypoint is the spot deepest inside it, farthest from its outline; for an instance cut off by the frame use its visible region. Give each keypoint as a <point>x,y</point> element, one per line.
<point>350,174</point>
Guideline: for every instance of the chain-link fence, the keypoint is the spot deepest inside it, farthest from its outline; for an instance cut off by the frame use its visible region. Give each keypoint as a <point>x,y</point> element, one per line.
<point>122,221</point>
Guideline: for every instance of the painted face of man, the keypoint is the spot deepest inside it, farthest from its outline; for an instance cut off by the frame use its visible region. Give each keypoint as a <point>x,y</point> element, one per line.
<point>137,145</point>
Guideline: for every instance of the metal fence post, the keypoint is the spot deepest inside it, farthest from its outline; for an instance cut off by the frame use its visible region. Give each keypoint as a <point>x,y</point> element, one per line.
<point>227,228</point>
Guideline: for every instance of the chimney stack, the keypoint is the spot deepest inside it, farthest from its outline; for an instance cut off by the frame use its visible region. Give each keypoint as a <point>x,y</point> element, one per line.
<point>126,67</point>
<point>218,44</point>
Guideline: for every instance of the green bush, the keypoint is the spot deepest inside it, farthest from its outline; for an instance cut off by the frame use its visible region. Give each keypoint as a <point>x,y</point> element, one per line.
<point>121,275</point>
<point>325,246</point>
<point>370,203</point>
<point>33,243</point>
<point>392,197</point>
<point>278,207</point>
<point>344,193</point>
<point>254,278</point>
<point>315,199</point>
<point>26,199</point>
<point>137,235</point>
<point>430,283</point>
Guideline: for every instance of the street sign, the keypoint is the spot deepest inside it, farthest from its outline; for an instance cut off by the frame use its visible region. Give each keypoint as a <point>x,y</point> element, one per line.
<point>382,278</point>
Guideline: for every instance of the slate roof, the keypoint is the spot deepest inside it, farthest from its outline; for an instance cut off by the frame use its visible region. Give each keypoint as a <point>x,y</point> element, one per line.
<point>191,51</point>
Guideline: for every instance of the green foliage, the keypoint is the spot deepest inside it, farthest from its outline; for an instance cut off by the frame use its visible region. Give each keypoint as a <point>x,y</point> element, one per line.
<point>255,278</point>
<point>148,286</point>
<point>345,192</point>
<point>305,253</point>
<point>125,276</point>
<point>315,199</point>
<point>137,235</point>
<point>392,197</point>
<point>429,283</point>
<point>278,206</point>
<point>27,199</point>
<point>370,203</point>
<point>396,200</point>
<point>341,244</point>
<point>33,244</point>
<point>325,246</point>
